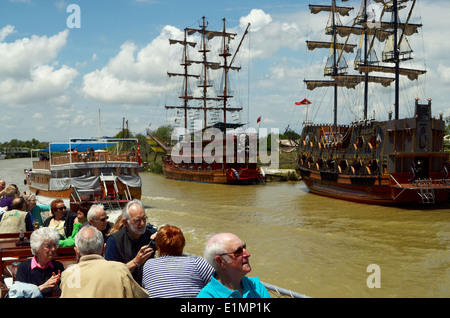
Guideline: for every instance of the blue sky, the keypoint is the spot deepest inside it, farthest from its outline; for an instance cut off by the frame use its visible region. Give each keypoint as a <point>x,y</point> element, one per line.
<point>54,79</point>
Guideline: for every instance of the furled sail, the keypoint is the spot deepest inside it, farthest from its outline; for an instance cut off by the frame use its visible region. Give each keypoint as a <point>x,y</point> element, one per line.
<point>412,74</point>
<point>348,48</point>
<point>344,11</point>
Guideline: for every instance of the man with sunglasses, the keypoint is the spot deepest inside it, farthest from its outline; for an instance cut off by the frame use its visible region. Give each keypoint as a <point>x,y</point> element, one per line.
<point>129,245</point>
<point>229,257</point>
<point>97,218</point>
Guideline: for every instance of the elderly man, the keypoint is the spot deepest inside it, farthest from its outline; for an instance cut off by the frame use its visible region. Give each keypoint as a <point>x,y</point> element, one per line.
<point>129,245</point>
<point>97,218</point>
<point>228,255</point>
<point>93,276</point>
<point>16,219</point>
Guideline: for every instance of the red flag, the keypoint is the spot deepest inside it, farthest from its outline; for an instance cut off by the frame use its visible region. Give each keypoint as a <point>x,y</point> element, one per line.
<point>139,153</point>
<point>258,120</point>
<point>303,102</point>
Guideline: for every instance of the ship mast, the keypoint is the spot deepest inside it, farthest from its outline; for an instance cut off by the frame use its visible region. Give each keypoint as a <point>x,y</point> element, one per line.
<point>335,70</point>
<point>206,64</point>
<point>366,74</point>
<point>225,53</point>
<point>204,84</point>
<point>396,60</point>
<point>186,75</point>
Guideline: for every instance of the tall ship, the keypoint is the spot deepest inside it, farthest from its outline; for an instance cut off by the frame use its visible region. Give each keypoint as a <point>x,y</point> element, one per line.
<point>387,162</point>
<point>207,107</point>
<point>97,170</point>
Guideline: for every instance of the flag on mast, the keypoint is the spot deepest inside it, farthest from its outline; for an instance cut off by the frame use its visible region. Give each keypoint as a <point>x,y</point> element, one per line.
<point>303,102</point>
<point>258,120</point>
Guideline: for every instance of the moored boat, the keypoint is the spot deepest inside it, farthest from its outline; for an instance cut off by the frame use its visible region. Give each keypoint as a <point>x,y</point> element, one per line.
<point>102,171</point>
<point>393,161</point>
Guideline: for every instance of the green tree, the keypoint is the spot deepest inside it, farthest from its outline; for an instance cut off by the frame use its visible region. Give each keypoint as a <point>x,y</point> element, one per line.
<point>164,133</point>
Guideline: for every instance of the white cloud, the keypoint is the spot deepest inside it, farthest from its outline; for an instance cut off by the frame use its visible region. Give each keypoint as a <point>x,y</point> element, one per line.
<point>19,57</point>
<point>257,18</point>
<point>5,31</point>
<point>45,83</point>
<point>25,75</point>
<point>134,75</point>
<point>444,72</point>
<point>269,36</point>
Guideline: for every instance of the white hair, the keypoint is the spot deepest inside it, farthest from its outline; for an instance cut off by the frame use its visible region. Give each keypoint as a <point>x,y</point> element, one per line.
<point>96,208</point>
<point>41,236</point>
<point>126,209</point>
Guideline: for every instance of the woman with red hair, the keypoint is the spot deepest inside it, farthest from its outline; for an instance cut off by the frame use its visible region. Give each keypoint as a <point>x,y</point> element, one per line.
<point>172,274</point>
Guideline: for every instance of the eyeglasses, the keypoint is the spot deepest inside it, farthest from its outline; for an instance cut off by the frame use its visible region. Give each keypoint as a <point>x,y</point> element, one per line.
<point>238,252</point>
<point>61,208</point>
<point>139,220</point>
<point>102,219</point>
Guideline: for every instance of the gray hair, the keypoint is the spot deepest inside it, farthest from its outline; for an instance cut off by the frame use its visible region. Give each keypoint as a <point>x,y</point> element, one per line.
<point>41,236</point>
<point>215,246</point>
<point>89,240</point>
<point>92,213</point>
<point>126,213</point>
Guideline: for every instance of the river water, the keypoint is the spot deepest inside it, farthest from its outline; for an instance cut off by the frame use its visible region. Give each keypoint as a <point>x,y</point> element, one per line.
<point>313,245</point>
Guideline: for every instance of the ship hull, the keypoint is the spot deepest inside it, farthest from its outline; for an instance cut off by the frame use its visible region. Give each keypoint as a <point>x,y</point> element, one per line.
<point>375,190</point>
<point>208,175</point>
<point>386,162</point>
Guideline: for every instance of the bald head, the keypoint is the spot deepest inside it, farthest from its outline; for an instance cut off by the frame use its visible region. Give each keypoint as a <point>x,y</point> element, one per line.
<point>219,244</point>
<point>89,240</point>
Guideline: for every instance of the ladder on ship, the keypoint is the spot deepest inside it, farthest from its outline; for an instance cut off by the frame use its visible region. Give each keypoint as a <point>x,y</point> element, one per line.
<point>425,190</point>
<point>111,197</point>
<point>113,205</point>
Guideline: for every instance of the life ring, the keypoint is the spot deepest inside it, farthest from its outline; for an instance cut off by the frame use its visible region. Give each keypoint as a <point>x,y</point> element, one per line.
<point>234,173</point>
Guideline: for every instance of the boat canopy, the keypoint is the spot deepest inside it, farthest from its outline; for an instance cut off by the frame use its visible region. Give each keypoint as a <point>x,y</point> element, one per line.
<point>62,147</point>
<point>91,183</point>
<point>83,144</point>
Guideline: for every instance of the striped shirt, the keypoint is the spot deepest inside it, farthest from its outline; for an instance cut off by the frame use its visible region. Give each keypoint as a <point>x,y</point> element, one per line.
<point>175,276</point>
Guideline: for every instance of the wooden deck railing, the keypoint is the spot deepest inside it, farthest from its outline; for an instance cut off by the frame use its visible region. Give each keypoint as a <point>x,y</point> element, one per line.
<point>85,157</point>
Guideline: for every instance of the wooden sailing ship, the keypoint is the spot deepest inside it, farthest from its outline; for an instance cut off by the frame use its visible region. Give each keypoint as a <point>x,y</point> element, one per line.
<point>210,107</point>
<point>104,171</point>
<point>398,160</point>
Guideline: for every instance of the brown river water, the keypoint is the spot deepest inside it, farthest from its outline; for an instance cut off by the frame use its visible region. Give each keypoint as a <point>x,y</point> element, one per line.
<point>312,245</point>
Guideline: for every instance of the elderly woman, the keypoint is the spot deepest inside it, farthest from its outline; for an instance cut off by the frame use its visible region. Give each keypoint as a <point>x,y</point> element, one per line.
<point>42,270</point>
<point>33,208</point>
<point>173,275</point>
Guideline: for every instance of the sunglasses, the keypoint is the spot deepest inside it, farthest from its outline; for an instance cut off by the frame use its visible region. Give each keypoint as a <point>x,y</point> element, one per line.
<point>61,208</point>
<point>238,252</point>
<point>102,219</point>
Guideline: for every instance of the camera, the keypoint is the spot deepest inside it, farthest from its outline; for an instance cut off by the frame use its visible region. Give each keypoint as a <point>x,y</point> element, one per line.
<point>152,244</point>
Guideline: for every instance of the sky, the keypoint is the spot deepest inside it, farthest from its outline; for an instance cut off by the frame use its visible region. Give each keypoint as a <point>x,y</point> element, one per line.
<point>81,67</point>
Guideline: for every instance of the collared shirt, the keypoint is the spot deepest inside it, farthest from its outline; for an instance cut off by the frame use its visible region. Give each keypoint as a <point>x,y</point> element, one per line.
<point>35,264</point>
<point>95,277</point>
<point>251,288</point>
